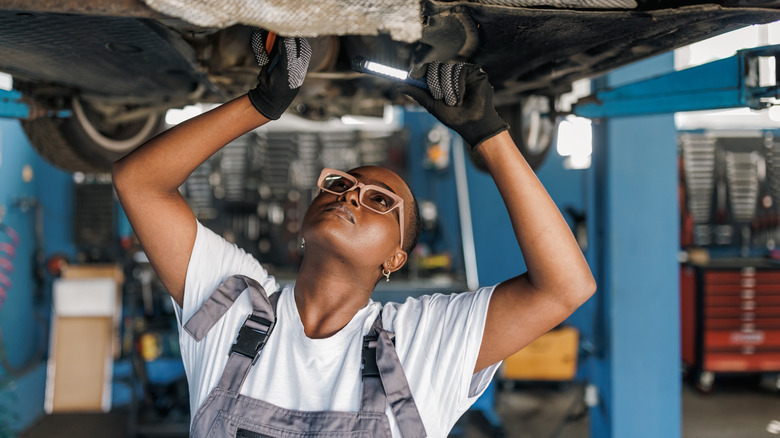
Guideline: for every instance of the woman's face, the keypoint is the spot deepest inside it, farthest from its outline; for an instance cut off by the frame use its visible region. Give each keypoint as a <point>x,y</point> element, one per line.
<point>350,230</point>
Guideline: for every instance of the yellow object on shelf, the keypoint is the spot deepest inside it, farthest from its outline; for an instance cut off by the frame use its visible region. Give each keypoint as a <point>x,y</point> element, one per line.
<point>551,357</point>
<point>436,261</point>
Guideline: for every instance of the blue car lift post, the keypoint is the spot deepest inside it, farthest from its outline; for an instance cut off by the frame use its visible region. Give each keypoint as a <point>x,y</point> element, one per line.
<point>634,218</point>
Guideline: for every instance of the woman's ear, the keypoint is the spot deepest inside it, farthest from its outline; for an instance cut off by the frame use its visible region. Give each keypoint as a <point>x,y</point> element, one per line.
<point>396,262</point>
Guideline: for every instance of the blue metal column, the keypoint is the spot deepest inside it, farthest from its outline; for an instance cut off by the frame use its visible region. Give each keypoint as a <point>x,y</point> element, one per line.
<point>635,222</point>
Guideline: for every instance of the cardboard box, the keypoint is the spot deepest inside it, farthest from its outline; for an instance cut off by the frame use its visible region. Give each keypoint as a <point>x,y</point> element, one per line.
<point>84,337</point>
<point>80,365</point>
<point>103,270</point>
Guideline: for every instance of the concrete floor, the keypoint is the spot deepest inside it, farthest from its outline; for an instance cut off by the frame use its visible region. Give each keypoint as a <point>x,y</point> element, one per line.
<point>536,412</point>
<point>737,408</point>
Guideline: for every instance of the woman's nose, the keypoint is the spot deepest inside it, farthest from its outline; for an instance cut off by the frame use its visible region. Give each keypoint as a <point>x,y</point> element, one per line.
<point>353,197</point>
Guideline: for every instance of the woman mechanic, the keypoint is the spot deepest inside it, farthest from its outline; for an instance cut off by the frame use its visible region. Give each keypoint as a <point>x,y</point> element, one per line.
<point>319,358</point>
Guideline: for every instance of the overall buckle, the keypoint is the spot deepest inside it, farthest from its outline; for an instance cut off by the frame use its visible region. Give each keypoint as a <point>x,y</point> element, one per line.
<point>252,337</point>
<point>370,368</point>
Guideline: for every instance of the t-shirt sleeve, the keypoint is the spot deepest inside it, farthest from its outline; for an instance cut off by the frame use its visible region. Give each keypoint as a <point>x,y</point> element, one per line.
<point>438,338</point>
<point>213,260</point>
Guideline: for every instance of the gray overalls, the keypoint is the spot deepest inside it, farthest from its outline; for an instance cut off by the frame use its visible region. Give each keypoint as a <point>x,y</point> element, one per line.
<point>227,413</point>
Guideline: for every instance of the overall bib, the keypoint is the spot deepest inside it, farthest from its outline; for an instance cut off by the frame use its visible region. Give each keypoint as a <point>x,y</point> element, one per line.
<point>227,414</point>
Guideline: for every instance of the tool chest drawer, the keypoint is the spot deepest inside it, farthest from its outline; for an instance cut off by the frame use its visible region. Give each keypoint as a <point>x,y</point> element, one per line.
<point>737,323</point>
<point>739,339</point>
<point>731,318</point>
<point>729,362</point>
<point>744,277</point>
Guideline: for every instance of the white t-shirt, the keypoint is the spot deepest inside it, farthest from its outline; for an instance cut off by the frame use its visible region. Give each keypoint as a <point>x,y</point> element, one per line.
<point>437,339</point>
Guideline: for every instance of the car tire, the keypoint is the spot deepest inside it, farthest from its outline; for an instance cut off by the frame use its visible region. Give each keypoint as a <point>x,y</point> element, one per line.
<point>83,143</point>
<point>531,126</point>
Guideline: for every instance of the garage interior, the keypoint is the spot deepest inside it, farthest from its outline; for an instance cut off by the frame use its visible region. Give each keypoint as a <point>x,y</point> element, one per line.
<point>675,210</point>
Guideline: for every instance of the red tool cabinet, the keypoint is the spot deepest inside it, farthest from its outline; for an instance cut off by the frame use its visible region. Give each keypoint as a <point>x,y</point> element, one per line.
<point>730,319</point>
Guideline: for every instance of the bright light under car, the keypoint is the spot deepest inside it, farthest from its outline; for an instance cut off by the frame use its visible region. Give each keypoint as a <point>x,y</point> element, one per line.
<point>385,70</point>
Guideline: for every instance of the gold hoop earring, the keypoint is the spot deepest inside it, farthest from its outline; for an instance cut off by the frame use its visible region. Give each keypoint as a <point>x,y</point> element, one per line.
<point>386,273</point>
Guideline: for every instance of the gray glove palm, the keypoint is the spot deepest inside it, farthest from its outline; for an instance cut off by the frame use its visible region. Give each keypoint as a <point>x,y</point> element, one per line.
<point>462,98</point>
<point>278,82</point>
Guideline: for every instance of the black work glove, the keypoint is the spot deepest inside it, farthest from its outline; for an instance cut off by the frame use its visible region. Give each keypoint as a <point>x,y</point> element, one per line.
<point>278,82</point>
<point>462,98</point>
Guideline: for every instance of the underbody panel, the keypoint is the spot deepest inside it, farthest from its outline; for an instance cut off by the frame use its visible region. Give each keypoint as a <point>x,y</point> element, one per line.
<point>525,50</point>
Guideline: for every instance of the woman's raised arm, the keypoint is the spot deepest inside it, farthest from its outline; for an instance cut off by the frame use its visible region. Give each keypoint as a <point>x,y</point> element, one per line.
<point>558,279</point>
<point>147,180</point>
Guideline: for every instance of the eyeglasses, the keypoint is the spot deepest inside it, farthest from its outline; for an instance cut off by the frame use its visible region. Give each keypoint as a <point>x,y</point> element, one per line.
<point>374,198</point>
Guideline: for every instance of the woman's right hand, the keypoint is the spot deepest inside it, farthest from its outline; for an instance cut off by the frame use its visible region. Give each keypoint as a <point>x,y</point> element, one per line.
<point>279,80</point>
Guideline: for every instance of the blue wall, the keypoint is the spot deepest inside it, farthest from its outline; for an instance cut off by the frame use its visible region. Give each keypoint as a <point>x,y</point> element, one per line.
<point>498,254</point>
<point>433,185</point>
<point>21,397</point>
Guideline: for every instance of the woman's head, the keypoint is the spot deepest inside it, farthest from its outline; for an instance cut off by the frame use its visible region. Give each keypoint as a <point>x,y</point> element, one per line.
<point>362,224</point>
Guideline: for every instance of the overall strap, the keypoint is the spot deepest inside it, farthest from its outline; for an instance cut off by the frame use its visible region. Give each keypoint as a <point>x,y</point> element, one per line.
<point>394,388</point>
<point>373,397</point>
<point>252,335</point>
<point>220,301</point>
